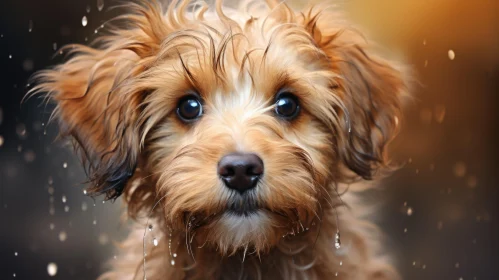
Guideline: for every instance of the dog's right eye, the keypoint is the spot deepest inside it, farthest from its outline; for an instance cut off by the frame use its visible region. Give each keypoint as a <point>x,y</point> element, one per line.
<point>189,109</point>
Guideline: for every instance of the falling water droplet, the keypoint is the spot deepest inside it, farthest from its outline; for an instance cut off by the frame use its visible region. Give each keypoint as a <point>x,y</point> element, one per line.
<point>84,206</point>
<point>337,242</point>
<point>54,46</point>
<point>410,211</point>
<point>64,199</point>
<point>155,242</point>
<point>65,165</point>
<point>100,5</point>
<point>173,262</point>
<point>149,227</point>
<point>66,208</point>
<point>52,269</point>
<point>30,26</point>
<point>88,9</point>
<point>459,169</point>
<point>63,236</point>
<point>95,222</point>
<point>451,54</point>
<point>174,255</point>
<point>51,226</point>
<point>15,254</point>
<point>84,21</point>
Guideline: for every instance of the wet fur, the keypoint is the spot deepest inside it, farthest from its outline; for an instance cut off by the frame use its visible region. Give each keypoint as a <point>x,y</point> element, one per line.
<point>116,100</point>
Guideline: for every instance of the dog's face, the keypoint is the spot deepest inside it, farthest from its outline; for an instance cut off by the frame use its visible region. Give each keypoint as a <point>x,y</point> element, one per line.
<point>237,127</point>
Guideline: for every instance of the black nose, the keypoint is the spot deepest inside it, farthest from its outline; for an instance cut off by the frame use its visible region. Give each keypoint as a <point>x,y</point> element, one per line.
<point>240,171</point>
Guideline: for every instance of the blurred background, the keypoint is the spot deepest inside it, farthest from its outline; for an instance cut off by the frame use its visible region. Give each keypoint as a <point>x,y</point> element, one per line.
<point>441,209</point>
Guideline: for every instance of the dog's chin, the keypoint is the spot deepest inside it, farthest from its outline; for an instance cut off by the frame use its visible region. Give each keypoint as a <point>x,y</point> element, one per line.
<point>238,229</point>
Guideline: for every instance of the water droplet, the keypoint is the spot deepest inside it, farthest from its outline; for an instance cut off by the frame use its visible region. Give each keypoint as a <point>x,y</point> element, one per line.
<point>85,192</point>
<point>149,227</point>
<point>10,56</point>
<point>30,26</point>
<point>1,141</point>
<point>64,199</point>
<point>410,211</point>
<point>63,236</point>
<point>451,54</point>
<point>15,254</point>
<point>28,65</point>
<point>88,9</point>
<point>472,181</point>
<point>65,165</point>
<point>103,239</point>
<point>426,63</point>
<point>457,265</point>
<point>174,255</point>
<point>84,206</point>
<point>337,242</point>
<point>440,225</point>
<point>54,46</point>
<point>405,230</point>
<point>14,275</point>
<point>52,269</point>
<point>100,5</point>
<point>341,263</point>
<point>155,242</point>
<point>66,208</point>
<point>424,42</point>
<point>95,222</point>
<point>21,131</point>
<point>51,181</point>
<point>51,226</point>
<point>84,21</point>
<point>459,169</point>
<point>173,262</point>
<point>439,113</point>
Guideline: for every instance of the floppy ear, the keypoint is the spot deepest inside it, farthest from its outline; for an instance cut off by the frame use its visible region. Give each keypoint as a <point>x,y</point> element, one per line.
<point>97,96</point>
<point>370,88</point>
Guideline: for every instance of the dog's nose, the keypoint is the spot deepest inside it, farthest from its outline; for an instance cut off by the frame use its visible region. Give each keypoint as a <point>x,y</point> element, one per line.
<point>240,171</point>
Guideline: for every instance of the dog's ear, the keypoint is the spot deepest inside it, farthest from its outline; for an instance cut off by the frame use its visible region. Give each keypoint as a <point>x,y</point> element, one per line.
<point>97,93</point>
<point>371,91</point>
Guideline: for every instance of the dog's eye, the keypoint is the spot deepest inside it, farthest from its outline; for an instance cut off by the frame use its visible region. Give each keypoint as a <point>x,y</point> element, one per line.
<point>189,109</point>
<point>286,106</point>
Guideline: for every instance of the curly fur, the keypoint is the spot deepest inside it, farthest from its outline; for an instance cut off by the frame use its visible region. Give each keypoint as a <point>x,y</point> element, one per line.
<point>117,99</point>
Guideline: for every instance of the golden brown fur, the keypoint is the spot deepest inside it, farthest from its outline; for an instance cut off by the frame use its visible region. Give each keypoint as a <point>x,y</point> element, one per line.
<point>117,100</point>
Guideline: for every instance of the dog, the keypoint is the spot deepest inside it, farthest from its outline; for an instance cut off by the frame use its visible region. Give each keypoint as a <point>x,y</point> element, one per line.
<point>238,138</point>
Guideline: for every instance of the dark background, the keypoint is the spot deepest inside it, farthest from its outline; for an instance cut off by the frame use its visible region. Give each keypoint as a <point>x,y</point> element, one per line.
<point>441,209</point>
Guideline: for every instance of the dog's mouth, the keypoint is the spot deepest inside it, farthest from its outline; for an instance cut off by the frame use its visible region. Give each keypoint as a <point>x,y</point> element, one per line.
<point>243,204</point>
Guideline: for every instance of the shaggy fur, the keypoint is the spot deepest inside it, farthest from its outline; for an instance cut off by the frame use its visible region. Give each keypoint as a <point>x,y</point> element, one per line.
<point>117,100</point>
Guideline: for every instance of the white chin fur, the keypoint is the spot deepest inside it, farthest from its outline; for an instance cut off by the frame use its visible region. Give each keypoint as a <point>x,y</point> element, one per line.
<point>239,231</point>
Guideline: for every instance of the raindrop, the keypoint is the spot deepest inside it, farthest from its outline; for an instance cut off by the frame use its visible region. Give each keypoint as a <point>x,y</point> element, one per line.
<point>63,236</point>
<point>410,211</point>
<point>52,269</point>
<point>84,21</point>
<point>28,65</point>
<point>100,5</point>
<point>30,26</point>
<point>459,169</point>
<point>472,181</point>
<point>451,54</point>
<point>155,242</point>
<point>65,165</point>
<point>29,156</point>
<point>103,239</point>
<point>439,113</point>
<point>21,131</point>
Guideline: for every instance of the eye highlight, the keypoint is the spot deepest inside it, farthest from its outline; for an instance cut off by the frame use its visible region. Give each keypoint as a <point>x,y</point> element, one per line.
<point>286,106</point>
<point>189,108</point>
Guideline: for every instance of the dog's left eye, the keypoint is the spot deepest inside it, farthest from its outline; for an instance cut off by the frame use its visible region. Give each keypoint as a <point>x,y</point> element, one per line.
<point>189,109</point>
<point>287,106</point>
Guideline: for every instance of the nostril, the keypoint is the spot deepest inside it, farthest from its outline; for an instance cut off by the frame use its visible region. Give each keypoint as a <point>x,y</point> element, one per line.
<point>226,171</point>
<point>254,170</point>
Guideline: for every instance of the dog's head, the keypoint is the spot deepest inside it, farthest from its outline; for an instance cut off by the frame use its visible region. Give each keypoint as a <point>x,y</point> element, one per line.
<point>238,126</point>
